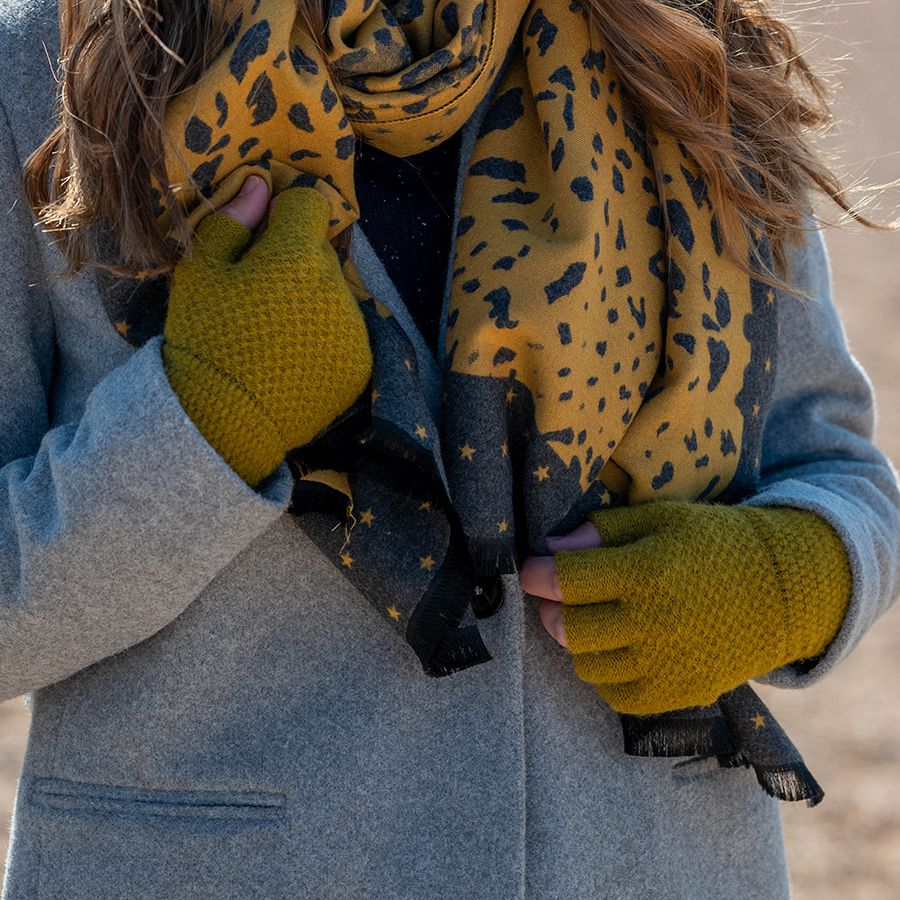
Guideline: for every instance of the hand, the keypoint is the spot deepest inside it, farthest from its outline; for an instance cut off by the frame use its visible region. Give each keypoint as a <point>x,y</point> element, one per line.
<point>669,605</point>
<point>264,343</point>
<point>538,577</point>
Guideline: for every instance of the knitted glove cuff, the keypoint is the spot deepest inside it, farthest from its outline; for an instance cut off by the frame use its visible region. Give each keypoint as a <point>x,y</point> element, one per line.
<point>231,419</point>
<point>814,573</point>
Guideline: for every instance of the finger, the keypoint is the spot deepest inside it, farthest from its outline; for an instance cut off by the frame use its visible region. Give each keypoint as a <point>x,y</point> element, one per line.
<point>621,666</point>
<point>297,226</point>
<point>625,524</point>
<point>597,627</point>
<point>607,573</point>
<point>584,537</point>
<point>537,576</point>
<point>551,618</point>
<point>249,206</point>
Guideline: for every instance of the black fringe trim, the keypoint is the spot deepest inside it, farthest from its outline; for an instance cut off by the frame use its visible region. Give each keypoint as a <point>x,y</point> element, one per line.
<point>378,450</point>
<point>389,438</point>
<point>676,736</point>
<point>784,775</point>
<point>433,630</point>
<point>493,556</point>
<point>791,782</point>
<point>464,650</point>
<point>337,447</point>
<point>734,760</point>
<point>313,496</point>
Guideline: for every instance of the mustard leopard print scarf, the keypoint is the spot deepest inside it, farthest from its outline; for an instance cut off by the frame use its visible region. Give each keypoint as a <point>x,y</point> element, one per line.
<point>592,356</point>
<point>599,346</point>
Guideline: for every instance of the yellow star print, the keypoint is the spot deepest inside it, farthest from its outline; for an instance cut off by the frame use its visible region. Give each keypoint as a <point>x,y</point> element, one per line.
<point>408,364</point>
<point>504,450</point>
<point>503,526</point>
<point>768,365</point>
<point>759,721</point>
<point>367,517</point>
<point>347,560</point>
<point>511,395</point>
<point>542,473</point>
<point>426,562</point>
<point>425,505</point>
<point>421,432</point>
<point>466,452</point>
<point>393,612</point>
<point>122,327</point>
<point>755,409</point>
<point>375,395</point>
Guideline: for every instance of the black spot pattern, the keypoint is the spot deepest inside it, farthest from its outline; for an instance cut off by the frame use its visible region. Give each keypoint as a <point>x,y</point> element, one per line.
<point>253,44</point>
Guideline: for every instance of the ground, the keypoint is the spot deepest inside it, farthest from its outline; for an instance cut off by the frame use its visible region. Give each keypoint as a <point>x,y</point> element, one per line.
<point>848,726</point>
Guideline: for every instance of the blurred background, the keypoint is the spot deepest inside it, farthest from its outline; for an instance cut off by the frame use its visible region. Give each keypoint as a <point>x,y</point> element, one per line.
<point>848,726</point>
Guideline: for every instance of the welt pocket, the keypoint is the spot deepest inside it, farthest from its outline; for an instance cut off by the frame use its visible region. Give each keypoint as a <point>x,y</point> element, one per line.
<point>67,796</point>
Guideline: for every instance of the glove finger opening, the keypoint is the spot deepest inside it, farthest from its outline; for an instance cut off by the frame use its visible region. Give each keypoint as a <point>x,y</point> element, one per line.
<point>597,627</point>
<point>604,574</point>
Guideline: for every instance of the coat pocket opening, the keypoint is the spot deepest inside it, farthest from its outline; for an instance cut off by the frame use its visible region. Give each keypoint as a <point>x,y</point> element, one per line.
<point>64,795</point>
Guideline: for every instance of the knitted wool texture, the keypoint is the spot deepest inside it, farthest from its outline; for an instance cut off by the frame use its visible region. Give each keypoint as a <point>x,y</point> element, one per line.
<point>684,602</point>
<point>265,346</point>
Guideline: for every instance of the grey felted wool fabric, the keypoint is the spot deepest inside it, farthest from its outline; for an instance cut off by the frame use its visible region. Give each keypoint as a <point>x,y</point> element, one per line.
<point>219,713</point>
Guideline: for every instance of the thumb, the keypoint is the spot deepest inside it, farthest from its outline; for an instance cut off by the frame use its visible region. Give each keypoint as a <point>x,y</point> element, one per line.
<point>250,205</point>
<point>224,234</point>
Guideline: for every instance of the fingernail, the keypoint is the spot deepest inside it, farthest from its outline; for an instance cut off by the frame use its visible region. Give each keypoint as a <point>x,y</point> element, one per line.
<point>561,634</point>
<point>250,185</point>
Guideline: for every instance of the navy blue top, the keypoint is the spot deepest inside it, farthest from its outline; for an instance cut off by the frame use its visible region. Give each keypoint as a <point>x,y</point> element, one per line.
<point>406,212</point>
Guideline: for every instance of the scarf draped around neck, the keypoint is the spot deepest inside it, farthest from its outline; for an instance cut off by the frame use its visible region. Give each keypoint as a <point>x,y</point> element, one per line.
<point>599,346</point>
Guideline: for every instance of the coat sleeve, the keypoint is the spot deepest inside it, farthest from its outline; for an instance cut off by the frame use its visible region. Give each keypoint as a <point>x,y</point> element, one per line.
<point>109,526</point>
<point>818,453</point>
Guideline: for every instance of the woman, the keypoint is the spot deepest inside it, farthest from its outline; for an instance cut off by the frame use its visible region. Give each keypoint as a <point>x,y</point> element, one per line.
<point>216,450</point>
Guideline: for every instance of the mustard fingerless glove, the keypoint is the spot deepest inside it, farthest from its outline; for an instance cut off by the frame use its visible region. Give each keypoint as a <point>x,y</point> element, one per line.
<point>685,601</point>
<point>265,346</point>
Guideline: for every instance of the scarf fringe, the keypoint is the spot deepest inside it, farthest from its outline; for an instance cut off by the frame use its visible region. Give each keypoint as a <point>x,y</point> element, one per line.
<point>464,650</point>
<point>434,632</point>
<point>400,464</point>
<point>493,556</point>
<point>315,497</point>
<point>668,737</point>
<point>791,783</point>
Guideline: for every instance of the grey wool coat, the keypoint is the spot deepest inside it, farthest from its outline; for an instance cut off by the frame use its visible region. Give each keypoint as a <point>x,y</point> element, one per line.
<point>217,713</point>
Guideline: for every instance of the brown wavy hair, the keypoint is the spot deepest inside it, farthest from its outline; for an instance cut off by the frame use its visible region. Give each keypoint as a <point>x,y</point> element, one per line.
<point>723,76</point>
